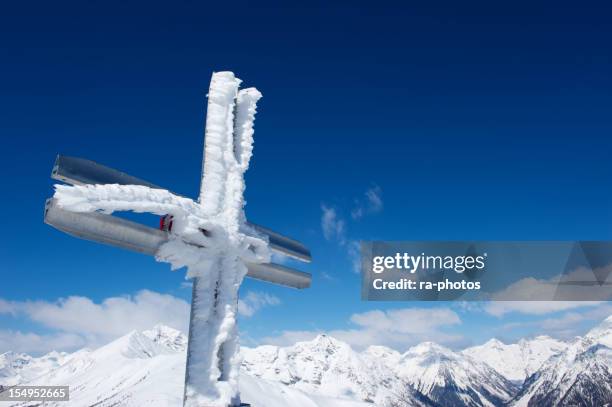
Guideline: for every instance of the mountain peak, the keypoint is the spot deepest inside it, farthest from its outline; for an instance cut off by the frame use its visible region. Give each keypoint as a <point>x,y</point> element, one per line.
<point>494,342</point>
<point>326,341</point>
<point>133,345</point>
<point>427,349</point>
<point>428,345</point>
<point>168,337</point>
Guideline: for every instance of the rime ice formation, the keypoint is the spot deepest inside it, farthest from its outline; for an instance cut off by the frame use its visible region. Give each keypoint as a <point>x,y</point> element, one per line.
<point>209,237</point>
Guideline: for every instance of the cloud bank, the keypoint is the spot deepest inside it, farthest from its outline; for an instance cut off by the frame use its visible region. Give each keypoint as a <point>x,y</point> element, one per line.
<point>74,322</point>
<point>398,329</point>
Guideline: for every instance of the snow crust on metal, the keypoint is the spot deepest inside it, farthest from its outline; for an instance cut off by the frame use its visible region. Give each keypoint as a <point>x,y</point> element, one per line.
<point>209,237</point>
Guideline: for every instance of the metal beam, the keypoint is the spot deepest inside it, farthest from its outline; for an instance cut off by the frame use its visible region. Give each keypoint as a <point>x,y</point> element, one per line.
<point>106,229</point>
<point>283,244</point>
<point>278,274</point>
<point>125,234</point>
<point>79,171</point>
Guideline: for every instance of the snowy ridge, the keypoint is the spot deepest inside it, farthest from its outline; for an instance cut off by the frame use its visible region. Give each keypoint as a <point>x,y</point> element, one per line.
<point>602,333</point>
<point>167,337</point>
<point>580,375</point>
<point>147,368</point>
<point>17,368</point>
<point>325,366</point>
<point>450,378</point>
<point>519,360</point>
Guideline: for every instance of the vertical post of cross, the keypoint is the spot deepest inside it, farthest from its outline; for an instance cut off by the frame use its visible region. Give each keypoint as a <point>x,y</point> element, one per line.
<point>227,151</point>
<point>197,349</point>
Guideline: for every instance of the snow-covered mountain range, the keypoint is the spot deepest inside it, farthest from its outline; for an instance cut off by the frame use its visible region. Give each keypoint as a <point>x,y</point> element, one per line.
<point>147,368</point>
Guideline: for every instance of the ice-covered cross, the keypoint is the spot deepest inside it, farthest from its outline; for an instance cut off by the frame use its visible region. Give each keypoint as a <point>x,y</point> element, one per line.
<point>210,237</point>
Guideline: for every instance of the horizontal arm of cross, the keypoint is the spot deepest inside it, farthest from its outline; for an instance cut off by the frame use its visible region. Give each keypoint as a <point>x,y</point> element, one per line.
<point>79,171</point>
<point>125,234</point>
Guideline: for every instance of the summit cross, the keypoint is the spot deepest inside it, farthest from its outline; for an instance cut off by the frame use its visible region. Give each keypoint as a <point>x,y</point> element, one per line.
<point>210,236</point>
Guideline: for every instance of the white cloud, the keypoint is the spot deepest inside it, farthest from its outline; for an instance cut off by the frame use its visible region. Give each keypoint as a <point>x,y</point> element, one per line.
<point>568,322</point>
<point>568,291</point>
<point>501,308</point>
<point>372,203</point>
<point>399,329</point>
<point>375,199</point>
<point>578,285</point>
<point>354,253</point>
<point>113,316</point>
<point>567,325</point>
<point>327,276</point>
<point>31,343</point>
<point>75,322</point>
<point>80,321</point>
<point>254,301</point>
<point>333,227</point>
<point>6,307</point>
<point>287,338</point>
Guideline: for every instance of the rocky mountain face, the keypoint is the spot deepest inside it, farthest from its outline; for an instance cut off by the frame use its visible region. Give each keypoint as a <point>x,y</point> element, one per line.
<point>581,375</point>
<point>451,378</point>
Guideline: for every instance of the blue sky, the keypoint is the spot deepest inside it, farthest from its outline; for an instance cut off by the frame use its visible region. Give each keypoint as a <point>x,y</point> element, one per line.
<point>477,121</point>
